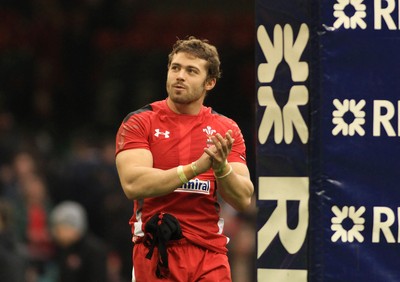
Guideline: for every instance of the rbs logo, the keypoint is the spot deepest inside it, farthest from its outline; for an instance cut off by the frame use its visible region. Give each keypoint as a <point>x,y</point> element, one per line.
<point>384,118</point>
<point>383,224</point>
<point>352,14</point>
<point>283,46</point>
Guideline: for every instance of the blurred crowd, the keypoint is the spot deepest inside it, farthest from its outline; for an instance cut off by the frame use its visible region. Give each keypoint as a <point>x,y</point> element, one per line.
<point>33,184</point>
<point>69,72</point>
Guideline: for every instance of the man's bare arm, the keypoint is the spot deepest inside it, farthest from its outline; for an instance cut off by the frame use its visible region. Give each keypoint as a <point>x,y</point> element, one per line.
<point>235,186</point>
<point>140,180</point>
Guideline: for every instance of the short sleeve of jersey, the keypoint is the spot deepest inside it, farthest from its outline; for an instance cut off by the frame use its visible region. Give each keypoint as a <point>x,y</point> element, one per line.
<point>133,131</point>
<point>238,153</point>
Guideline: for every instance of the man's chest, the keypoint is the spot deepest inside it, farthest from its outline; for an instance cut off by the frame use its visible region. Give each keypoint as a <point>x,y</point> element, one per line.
<point>178,143</point>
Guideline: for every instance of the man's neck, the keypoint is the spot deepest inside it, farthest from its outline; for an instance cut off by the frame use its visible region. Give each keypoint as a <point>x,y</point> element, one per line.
<point>187,109</point>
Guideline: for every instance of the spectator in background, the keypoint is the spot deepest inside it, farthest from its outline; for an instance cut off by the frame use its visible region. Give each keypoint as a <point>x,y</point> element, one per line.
<point>21,164</point>
<point>81,257</point>
<point>32,223</point>
<point>12,262</point>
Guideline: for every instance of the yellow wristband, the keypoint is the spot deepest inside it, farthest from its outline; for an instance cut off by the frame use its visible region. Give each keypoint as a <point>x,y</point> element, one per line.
<point>194,168</point>
<point>222,168</point>
<point>226,174</point>
<point>182,175</point>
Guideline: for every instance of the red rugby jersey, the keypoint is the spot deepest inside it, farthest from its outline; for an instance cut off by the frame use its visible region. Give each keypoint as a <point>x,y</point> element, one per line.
<point>179,139</point>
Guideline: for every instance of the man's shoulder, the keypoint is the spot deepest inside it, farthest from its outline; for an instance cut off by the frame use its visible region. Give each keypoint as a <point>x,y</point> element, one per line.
<point>149,109</point>
<point>220,117</point>
<point>144,109</point>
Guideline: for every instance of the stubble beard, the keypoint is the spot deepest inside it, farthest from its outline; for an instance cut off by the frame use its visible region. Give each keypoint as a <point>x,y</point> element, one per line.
<point>185,96</point>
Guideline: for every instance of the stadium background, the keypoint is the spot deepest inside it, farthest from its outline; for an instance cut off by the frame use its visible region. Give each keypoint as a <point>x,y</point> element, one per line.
<point>71,70</point>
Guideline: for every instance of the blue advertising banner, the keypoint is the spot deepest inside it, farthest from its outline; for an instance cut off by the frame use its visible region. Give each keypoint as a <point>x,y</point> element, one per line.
<point>359,137</point>
<point>283,82</point>
<point>328,115</point>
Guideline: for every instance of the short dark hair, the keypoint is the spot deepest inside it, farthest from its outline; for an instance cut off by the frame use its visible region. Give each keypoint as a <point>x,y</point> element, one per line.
<point>202,49</point>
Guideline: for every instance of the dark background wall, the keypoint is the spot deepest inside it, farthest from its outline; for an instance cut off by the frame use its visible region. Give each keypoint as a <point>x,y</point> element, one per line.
<point>70,65</point>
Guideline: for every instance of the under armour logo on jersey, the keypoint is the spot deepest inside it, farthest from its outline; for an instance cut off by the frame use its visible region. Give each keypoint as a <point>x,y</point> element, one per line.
<point>158,133</point>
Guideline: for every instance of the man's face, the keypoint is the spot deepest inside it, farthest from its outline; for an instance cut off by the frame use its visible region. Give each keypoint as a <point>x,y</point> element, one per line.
<point>65,235</point>
<point>187,79</point>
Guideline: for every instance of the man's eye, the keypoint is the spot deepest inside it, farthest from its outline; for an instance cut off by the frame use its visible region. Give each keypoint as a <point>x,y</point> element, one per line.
<point>174,68</point>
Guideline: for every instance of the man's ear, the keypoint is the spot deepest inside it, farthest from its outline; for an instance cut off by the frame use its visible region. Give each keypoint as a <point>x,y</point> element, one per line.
<point>210,83</point>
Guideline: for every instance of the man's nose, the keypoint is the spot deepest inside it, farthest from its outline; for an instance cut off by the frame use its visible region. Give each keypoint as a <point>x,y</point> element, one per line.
<point>181,75</point>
